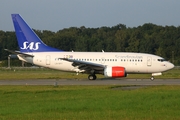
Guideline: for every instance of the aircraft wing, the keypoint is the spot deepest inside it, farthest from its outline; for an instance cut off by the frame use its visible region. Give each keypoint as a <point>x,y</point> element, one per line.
<point>87,66</point>
<point>19,53</point>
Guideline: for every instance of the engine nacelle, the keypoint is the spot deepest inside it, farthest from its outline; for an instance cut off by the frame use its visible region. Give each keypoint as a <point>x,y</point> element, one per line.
<point>115,71</point>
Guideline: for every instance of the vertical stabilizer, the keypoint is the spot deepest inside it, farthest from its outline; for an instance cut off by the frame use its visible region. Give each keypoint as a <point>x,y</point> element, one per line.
<point>28,40</point>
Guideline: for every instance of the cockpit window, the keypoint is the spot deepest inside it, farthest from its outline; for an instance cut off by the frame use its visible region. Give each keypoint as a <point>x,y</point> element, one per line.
<point>161,60</point>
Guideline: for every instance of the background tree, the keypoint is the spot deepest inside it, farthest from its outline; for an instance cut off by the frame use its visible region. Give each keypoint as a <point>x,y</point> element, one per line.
<point>148,38</point>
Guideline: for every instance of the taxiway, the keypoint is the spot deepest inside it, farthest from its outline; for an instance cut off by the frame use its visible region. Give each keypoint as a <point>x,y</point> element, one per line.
<point>95,82</point>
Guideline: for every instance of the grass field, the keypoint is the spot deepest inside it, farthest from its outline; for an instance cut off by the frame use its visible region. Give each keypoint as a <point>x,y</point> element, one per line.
<point>85,102</point>
<point>42,73</point>
<point>89,102</point>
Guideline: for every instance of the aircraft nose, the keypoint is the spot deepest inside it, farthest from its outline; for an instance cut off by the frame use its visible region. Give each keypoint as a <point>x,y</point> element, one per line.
<point>170,65</point>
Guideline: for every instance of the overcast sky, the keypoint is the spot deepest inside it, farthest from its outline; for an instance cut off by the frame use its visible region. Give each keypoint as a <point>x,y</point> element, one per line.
<point>55,15</point>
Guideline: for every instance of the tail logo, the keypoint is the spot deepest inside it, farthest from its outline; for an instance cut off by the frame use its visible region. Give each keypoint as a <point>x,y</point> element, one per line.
<point>31,45</point>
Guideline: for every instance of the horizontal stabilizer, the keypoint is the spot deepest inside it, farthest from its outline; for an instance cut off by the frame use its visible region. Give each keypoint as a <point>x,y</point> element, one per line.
<point>19,53</point>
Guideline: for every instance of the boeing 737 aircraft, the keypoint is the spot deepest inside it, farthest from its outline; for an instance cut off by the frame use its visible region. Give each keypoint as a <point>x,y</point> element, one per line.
<point>110,64</point>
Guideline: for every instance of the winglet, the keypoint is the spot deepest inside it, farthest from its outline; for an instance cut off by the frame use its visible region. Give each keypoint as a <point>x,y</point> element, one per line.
<point>28,40</point>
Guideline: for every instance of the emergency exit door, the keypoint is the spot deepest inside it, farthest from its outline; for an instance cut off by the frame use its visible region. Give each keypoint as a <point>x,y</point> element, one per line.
<point>149,61</point>
<point>48,60</point>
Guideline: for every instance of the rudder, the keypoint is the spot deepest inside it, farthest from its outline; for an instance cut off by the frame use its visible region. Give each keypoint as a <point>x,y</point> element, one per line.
<point>28,40</point>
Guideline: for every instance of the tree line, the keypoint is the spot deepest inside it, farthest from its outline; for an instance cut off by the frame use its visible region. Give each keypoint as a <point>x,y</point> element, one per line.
<point>148,38</point>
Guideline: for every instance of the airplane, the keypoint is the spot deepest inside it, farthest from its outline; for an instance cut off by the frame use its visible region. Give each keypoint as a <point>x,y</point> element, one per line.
<point>110,64</point>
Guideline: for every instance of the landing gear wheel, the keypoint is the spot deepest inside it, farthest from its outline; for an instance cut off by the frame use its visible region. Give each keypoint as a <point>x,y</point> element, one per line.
<point>92,77</point>
<point>152,78</point>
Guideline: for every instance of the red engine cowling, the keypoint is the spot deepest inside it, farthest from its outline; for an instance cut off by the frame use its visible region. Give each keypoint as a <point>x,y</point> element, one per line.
<point>114,71</point>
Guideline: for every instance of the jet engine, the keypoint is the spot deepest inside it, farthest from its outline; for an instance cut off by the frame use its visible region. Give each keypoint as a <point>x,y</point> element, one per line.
<point>115,71</point>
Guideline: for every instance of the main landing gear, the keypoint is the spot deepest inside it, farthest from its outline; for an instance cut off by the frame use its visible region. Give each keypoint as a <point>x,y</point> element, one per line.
<point>92,77</point>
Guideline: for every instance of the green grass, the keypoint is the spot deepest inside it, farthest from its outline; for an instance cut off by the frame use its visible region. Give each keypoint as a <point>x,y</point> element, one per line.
<point>171,74</point>
<point>36,73</point>
<point>89,102</point>
<point>85,102</point>
<point>42,73</point>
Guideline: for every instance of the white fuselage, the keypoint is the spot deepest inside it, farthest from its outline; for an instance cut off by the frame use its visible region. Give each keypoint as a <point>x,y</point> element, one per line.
<point>132,62</point>
<point>110,64</point>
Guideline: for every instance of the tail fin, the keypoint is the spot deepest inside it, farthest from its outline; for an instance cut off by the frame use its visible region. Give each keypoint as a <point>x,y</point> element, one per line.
<point>28,40</point>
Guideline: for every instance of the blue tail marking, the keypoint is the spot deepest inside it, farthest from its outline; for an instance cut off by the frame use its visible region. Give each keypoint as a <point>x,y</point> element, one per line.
<point>28,40</point>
